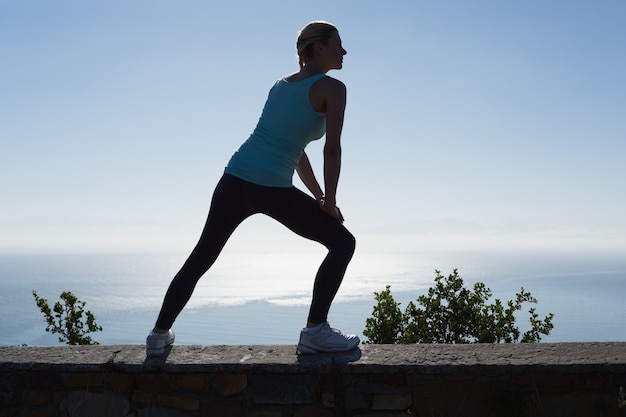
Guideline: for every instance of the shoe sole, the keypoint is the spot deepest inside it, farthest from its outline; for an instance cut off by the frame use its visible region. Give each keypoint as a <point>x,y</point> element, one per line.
<point>155,349</point>
<point>152,353</point>
<point>309,350</point>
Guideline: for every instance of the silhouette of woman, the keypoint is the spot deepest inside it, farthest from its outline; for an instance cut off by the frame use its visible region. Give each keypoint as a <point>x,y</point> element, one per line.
<point>300,108</point>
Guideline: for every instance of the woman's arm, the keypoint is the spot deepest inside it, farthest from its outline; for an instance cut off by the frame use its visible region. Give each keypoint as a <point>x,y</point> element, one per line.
<point>305,172</point>
<point>335,93</point>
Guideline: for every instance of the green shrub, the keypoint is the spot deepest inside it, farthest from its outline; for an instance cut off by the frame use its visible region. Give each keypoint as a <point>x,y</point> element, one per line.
<point>451,313</point>
<point>66,318</point>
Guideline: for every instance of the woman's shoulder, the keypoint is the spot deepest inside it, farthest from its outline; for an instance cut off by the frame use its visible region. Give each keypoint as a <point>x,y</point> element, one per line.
<point>331,82</point>
<point>293,77</point>
<point>322,79</point>
<point>329,86</point>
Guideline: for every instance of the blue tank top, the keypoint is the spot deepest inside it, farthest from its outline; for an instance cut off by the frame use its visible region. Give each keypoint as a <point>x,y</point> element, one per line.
<point>288,123</point>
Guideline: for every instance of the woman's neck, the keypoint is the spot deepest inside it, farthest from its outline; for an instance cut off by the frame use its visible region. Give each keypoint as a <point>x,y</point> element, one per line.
<point>312,68</point>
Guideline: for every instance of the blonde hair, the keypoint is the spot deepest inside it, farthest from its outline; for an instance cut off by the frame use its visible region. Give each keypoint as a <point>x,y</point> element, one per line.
<point>311,33</point>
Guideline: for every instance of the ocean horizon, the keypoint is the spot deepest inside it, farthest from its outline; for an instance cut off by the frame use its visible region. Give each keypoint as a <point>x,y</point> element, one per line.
<point>254,298</point>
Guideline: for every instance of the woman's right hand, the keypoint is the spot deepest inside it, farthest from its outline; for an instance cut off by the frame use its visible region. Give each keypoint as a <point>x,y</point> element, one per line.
<point>332,210</point>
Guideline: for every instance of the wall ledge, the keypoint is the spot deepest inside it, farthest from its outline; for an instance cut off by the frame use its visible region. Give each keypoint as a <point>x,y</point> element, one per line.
<point>424,358</point>
<point>490,380</point>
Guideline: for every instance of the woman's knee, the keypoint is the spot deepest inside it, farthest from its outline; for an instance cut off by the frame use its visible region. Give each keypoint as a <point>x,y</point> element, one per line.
<point>345,243</point>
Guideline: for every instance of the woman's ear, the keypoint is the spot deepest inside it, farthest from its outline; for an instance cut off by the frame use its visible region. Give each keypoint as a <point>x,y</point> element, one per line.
<point>319,46</point>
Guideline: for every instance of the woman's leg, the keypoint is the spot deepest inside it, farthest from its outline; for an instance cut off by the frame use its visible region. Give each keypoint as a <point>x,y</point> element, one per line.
<point>227,211</point>
<point>302,214</point>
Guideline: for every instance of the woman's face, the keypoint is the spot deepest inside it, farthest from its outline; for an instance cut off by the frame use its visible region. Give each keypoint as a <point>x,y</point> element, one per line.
<point>333,52</point>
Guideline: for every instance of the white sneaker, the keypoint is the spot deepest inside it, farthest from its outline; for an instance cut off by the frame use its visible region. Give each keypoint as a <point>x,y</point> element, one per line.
<point>156,343</point>
<point>326,339</point>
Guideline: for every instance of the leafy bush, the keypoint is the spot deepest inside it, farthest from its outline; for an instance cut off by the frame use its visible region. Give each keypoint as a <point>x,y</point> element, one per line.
<point>451,313</point>
<point>68,319</point>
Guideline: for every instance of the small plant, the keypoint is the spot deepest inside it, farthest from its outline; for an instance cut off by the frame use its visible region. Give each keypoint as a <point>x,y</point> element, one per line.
<point>621,398</point>
<point>451,313</point>
<point>69,319</point>
<point>387,324</point>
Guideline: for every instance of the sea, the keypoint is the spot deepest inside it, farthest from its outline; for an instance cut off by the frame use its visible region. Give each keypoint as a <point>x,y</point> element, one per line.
<point>257,297</point>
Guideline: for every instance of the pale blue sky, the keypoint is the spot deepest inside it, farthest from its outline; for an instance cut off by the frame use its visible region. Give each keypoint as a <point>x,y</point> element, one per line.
<point>482,124</point>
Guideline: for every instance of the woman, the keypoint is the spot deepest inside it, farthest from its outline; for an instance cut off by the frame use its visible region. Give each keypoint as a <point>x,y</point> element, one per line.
<point>258,179</point>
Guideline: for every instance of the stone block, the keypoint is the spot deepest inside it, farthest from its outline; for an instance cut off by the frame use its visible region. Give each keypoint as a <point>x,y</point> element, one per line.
<point>190,382</point>
<point>151,382</point>
<point>178,402</point>
<point>461,398</point>
<point>392,401</point>
<point>595,381</point>
<point>161,412</point>
<point>44,380</point>
<point>381,414</point>
<point>264,412</point>
<point>35,398</point>
<point>9,411</point>
<point>382,384</point>
<point>221,408</point>
<point>85,379</point>
<point>91,404</point>
<point>283,389</point>
<point>328,399</point>
<point>460,377</point>
<point>573,405</point>
<point>32,412</point>
<point>395,380</point>
<point>141,398</point>
<point>9,390</point>
<point>313,411</point>
<point>421,378</point>
<point>354,400</point>
<point>121,382</point>
<point>533,381</point>
<point>231,384</point>
<point>334,381</point>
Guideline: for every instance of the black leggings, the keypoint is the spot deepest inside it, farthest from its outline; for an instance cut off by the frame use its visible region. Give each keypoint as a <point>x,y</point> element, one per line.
<point>233,201</point>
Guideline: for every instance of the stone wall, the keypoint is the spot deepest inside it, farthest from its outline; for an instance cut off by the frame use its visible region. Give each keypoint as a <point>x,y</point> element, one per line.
<point>577,379</point>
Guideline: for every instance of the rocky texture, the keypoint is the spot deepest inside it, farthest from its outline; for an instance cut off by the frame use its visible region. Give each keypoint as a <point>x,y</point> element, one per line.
<point>573,379</point>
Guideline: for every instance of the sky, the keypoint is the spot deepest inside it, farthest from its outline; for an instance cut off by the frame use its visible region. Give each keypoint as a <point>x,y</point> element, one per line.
<point>469,125</point>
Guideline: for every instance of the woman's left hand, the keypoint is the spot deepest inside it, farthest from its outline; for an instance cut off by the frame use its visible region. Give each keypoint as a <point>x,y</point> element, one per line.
<point>332,210</point>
